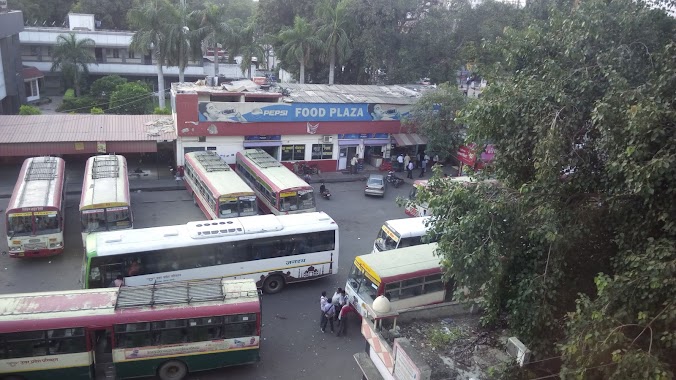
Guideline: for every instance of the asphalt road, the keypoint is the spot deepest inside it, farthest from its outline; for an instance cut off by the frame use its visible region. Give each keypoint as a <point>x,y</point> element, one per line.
<point>293,347</point>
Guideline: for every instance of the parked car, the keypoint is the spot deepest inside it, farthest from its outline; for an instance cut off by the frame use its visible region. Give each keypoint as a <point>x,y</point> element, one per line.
<point>375,185</point>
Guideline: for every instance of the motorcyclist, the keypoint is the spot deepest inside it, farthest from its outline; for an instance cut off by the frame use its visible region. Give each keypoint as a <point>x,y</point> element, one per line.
<point>322,189</point>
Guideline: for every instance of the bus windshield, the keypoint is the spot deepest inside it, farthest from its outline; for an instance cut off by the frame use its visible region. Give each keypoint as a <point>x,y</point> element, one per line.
<point>47,224</point>
<point>385,241</point>
<point>362,285</point>
<point>19,225</point>
<point>227,208</point>
<point>98,220</point>
<point>247,206</point>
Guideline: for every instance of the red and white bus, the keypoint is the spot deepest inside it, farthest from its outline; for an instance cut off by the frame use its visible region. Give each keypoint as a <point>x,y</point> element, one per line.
<point>216,188</point>
<point>34,216</point>
<point>105,203</point>
<point>278,189</point>
<point>164,330</point>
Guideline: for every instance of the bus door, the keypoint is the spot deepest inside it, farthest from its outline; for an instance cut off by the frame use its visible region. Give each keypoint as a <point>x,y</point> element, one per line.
<point>101,344</point>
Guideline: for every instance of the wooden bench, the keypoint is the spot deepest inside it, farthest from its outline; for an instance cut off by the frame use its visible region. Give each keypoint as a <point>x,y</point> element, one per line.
<point>368,370</point>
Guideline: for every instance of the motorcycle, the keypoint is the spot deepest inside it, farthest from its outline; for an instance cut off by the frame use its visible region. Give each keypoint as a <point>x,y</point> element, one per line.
<point>325,193</point>
<point>393,179</point>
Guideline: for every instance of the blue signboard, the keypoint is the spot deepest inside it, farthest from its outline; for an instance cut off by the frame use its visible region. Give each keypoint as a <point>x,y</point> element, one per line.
<point>280,112</point>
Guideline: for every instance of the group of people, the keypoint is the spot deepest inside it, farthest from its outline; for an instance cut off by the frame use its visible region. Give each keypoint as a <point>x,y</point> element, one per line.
<point>405,162</point>
<point>336,309</point>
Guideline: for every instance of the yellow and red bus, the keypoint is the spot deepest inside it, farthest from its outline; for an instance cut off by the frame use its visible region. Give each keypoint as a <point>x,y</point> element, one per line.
<point>408,277</point>
<point>35,213</point>
<point>278,189</point>
<point>166,330</point>
<point>105,203</point>
<point>218,191</point>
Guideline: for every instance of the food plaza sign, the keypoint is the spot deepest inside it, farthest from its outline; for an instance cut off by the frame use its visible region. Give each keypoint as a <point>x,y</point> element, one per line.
<point>237,112</point>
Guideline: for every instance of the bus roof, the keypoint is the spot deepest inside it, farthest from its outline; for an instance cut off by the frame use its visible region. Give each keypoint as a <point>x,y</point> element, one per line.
<point>205,232</point>
<point>274,173</point>
<point>222,180</point>
<point>40,183</point>
<point>408,227</point>
<point>106,182</point>
<point>401,263</point>
<point>104,307</point>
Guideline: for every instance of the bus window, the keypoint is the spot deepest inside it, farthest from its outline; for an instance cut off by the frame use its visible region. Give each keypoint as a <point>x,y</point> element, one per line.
<point>306,199</point>
<point>47,223</point>
<point>409,242</point>
<point>170,332</point>
<point>66,341</point>
<point>20,225</point>
<point>118,218</point>
<point>203,329</point>
<point>133,335</point>
<point>25,344</point>
<point>237,326</point>
<point>228,208</point>
<point>93,221</point>
<point>247,206</point>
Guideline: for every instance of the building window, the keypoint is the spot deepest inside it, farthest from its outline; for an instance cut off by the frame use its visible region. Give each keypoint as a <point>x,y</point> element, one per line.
<point>35,50</point>
<point>31,88</point>
<point>130,54</point>
<point>293,152</point>
<point>322,151</point>
<point>116,53</point>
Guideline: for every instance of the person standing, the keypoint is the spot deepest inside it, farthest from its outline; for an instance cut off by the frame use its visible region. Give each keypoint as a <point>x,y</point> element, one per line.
<point>329,314</point>
<point>343,320</point>
<point>354,163</point>
<point>407,159</point>
<point>435,160</point>
<point>409,168</point>
<point>322,303</point>
<point>400,160</point>
<point>423,166</point>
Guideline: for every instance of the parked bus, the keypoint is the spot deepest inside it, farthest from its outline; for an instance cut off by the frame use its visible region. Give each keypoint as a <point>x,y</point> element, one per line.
<point>408,277</point>
<point>401,233</point>
<point>105,203</point>
<point>34,216</point>
<point>279,190</point>
<point>165,330</point>
<point>272,250</point>
<point>216,188</point>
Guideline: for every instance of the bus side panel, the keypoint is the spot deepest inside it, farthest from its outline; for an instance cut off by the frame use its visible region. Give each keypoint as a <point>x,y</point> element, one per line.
<point>59,373</point>
<point>199,362</point>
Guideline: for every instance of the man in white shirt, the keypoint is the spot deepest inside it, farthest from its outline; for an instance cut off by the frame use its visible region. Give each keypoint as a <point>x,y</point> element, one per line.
<point>400,160</point>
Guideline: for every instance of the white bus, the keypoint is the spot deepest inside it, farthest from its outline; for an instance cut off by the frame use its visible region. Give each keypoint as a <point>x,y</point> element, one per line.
<point>272,250</point>
<point>34,215</point>
<point>216,188</point>
<point>401,233</point>
<point>105,203</point>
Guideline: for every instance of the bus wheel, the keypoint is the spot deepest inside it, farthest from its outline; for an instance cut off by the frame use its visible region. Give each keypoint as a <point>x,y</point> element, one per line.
<point>172,370</point>
<point>273,284</point>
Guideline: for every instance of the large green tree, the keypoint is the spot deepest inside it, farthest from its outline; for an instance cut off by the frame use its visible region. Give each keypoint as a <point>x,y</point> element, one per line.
<point>576,246</point>
<point>152,20</point>
<point>112,14</point>
<point>73,57</point>
<point>184,39</point>
<point>214,28</point>
<point>133,98</point>
<point>249,45</point>
<point>334,22</point>
<point>298,43</point>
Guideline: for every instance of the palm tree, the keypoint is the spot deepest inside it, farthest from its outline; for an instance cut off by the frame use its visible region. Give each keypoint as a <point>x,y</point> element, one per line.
<point>333,30</point>
<point>299,42</point>
<point>249,46</point>
<point>213,28</point>
<point>183,40</point>
<point>151,21</point>
<point>72,57</point>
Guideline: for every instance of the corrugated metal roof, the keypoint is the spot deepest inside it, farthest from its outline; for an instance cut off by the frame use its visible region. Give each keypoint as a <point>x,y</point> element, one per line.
<point>338,93</point>
<point>81,128</point>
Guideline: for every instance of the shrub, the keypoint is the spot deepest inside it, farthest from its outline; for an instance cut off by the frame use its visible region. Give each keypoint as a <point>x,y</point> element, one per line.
<point>70,94</point>
<point>133,98</point>
<point>162,111</point>
<point>83,104</point>
<point>103,88</point>
<point>96,111</point>
<point>29,110</point>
